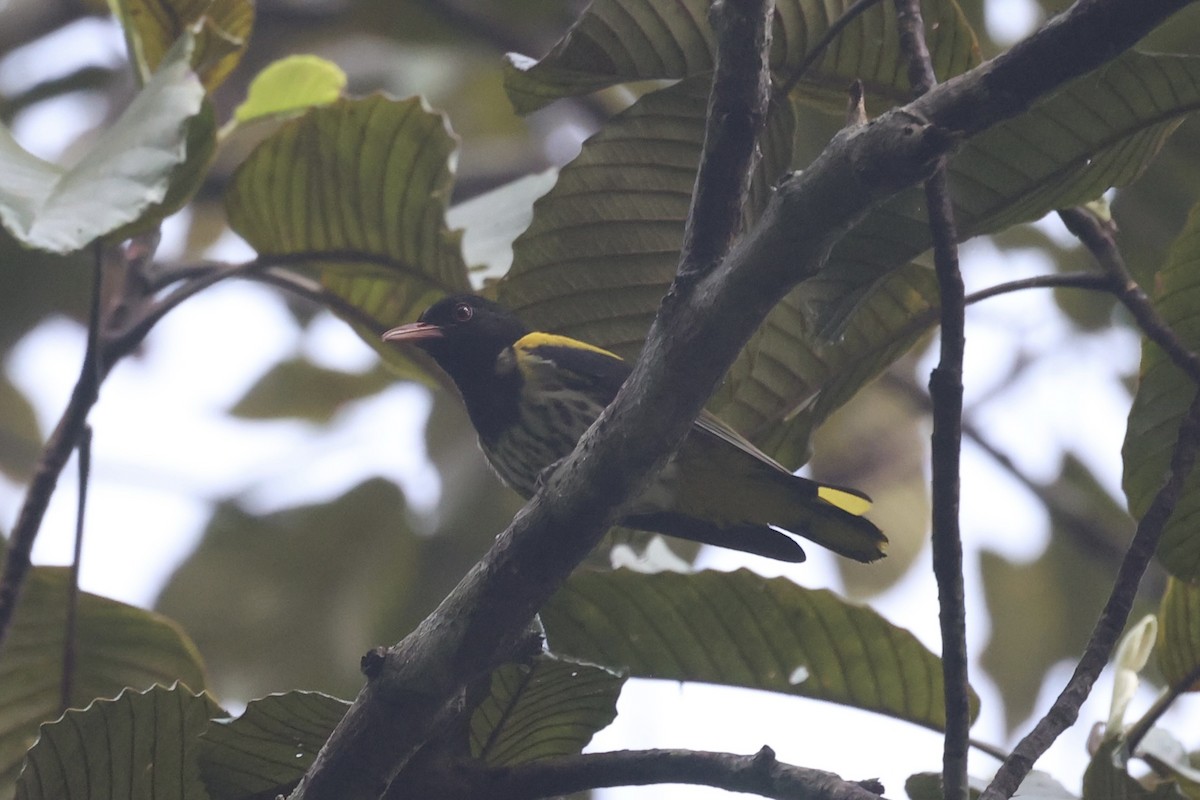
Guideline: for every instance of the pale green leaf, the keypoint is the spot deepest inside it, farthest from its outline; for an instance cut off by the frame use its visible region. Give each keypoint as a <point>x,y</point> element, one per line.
<point>291,85</point>
<point>265,751</point>
<point>118,646</point>
<point>617,41</point>
<point>549,707</point>
<point>140,746</point>
<point>740,629</point>
<point>492,221</point>
<point>124,176</point>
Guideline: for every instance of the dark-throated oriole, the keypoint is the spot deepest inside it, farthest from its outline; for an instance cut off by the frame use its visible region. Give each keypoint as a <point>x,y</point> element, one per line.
<point>531,395</point>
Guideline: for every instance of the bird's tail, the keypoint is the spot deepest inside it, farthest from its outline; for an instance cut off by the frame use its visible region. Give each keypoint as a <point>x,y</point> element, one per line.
<point>746,509</point>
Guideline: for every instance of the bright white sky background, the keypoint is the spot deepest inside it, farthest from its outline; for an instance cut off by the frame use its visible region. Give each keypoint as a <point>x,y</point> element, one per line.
<point>164,446</point>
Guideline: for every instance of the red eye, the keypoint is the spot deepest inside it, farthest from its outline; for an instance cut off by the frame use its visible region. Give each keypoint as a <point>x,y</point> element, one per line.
<point>463,312</point>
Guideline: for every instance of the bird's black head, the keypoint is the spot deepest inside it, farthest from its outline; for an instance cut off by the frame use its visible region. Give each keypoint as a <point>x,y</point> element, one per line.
<point>464,333</point>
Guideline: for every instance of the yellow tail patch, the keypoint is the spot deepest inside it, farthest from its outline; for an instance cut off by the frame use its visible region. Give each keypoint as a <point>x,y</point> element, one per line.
<point>850,503</point>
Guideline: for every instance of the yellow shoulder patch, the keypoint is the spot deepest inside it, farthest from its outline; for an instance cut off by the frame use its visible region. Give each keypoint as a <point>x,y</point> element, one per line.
<point>532,341</point>
<point>850,503</point>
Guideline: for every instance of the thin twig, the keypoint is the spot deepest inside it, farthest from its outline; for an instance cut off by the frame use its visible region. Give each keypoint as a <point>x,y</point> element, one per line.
<point>70,634</point>
<point>121,342</point>
<point>54,457</point>
<point>1064,280</point>
<point>946,392</point>
<point>1065,709</point>
<point>1098,238</point>
<point>309,289</point>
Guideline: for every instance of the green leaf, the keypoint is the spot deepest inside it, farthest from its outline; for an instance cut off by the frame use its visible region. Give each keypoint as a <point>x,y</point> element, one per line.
<point>298,388</point>
<point>1041,613</point>
<point>790,378</point>
<point>1163,396</point>
<point>618,41</point>
<point>546,708</point>
<point>186,178</point>
<point>138,746</point>
<point>265,751</point>
<point>879,442</point>
<point>1179,633</point>
<point>741,629</point>
<point>153,26</point>
<point>1100,131</point>
<point>122,178</point>
<point>117,646</point>
<point>604,242</point>
<point>291,85</point>
<point>356,192</point>
<point>291,579</point>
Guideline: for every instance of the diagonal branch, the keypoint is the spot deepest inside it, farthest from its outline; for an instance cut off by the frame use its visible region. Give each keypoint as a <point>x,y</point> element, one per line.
<point>690,346</point>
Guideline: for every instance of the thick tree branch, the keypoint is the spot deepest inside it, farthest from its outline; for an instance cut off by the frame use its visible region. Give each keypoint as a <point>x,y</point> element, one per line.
<point>480,620</point>
<point>690,346</point>
<point>737,114</point>
<point>946,394</point>
<point>759,774</point>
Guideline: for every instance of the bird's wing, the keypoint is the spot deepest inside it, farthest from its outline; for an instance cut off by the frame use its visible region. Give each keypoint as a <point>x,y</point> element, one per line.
<point>851,500</point>
<point>601,373</point>
<point>578,364</point>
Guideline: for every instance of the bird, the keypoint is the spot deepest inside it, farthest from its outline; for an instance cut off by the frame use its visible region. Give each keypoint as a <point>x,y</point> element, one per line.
<point>531,395</point>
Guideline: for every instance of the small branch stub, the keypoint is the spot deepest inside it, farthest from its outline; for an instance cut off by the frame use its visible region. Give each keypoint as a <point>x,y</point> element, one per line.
<point>372,661</point>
